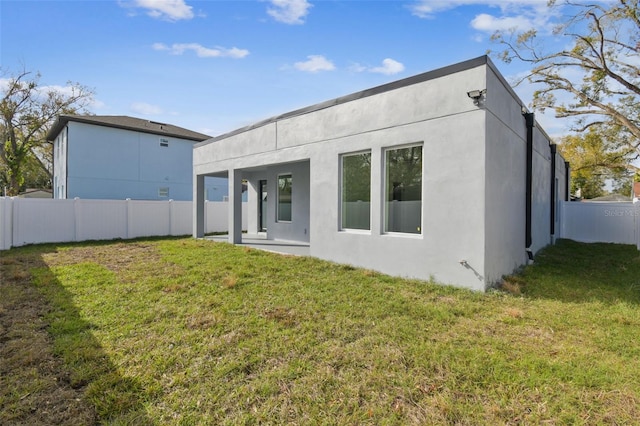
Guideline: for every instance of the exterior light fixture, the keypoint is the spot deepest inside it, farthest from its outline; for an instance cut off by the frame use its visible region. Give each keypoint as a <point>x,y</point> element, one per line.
<point>476,95</point>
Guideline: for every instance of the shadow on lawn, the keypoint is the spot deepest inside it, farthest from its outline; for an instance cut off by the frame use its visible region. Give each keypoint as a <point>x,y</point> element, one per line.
<point>53,368</point>
<point>575,272</point>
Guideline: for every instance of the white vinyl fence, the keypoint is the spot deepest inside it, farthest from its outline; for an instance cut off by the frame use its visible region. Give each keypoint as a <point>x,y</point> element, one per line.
<point>32,221</point>
<point>593,222</point>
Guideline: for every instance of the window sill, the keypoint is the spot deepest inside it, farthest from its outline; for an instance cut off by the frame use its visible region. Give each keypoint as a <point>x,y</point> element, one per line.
<point>355,231</point>
<point>403,235</point>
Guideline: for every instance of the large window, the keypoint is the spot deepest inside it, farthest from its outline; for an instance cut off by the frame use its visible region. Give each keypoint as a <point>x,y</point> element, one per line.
<point>284,198</point>
<point>403,189</point>
<point>356,191</point>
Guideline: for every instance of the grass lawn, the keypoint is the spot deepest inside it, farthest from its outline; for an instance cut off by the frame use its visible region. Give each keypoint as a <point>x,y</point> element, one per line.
<point>183,331</point>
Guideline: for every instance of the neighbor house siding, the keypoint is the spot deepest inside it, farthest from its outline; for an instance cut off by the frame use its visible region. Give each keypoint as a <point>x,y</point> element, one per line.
<point>102,162</point>
<point>111,163</point>
<point>60,165</point>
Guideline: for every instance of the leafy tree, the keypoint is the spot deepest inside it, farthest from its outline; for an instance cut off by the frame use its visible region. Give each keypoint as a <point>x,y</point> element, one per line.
<point>34,175</point>
<point>27,111</point>
<point>603,41</point>
<point>595,158</point>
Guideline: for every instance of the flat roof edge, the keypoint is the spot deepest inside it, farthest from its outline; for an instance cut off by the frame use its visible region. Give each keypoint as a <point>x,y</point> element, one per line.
<point>408,81</point>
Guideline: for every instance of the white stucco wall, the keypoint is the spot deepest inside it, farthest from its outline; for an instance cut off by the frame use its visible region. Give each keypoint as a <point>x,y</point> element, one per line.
<point>436,113</point>
<point>505,198</point>
<point>541,191</point>
<point>473,188</point>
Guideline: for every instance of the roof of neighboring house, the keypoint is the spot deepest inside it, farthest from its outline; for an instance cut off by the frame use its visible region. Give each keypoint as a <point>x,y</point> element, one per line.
<point>36,193</point>
<point>610,197</point>
<point>127,123</point>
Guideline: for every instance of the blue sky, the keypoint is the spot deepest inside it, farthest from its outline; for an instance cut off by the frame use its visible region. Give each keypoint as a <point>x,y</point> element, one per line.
<point>214,66</point>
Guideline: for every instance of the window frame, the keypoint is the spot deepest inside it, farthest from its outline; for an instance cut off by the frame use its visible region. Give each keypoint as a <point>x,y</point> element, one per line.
<point>385,177</point>
<point>278,196</point>
<point>341,225</point>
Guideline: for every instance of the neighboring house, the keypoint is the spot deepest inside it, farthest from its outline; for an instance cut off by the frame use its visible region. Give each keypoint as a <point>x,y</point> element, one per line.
<point>442,175</point>
<point>636,192</point>
<point>119,157</point>
<point>35,193</point>
<point>610,198</point>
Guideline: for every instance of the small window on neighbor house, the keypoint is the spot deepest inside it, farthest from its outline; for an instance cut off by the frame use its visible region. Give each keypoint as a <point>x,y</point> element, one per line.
<point>163,192</point>
<point>403,189</point>
<point>355,198</point>
<point>164,142</point>
<point>284,198</point>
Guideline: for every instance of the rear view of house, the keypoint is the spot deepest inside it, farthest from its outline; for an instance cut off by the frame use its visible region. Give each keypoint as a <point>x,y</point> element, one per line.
<point>442,175</point>
<point>119,157</point>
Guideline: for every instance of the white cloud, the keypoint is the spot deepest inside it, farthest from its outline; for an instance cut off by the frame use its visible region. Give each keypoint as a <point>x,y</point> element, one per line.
<point>201,51</point>
<point>289,11</point>
<point>429,8</point>
<point>389,67</point>
<point>489,23</point>
<point>169,10</point>
<point>315,63</point>
<point>145,108</point>
<point>521,15</point>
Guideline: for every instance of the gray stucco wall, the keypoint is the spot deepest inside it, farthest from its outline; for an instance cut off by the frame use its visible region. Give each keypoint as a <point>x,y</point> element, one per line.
<point>541,227</point>
<point>473,188</point>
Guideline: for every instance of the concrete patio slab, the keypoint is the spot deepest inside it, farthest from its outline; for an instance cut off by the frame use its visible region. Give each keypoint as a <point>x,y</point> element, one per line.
<point>260,242</point>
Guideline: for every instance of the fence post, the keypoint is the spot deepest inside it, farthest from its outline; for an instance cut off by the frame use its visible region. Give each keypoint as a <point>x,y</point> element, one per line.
<point>171,217</point>
<point>76,219</point>
<point>6,223</point>
<point>636,218</point>
<point>128,221</point>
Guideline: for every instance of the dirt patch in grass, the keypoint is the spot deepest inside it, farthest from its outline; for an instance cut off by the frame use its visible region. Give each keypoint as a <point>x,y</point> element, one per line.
<point>115,257</point>
<point>36,388</point>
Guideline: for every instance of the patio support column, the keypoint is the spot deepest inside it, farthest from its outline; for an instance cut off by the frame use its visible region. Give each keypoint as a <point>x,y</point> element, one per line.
<point>235,206</point>
<point>198,206</point>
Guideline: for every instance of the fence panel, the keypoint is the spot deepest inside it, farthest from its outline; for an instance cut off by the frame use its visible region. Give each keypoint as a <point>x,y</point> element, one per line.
<point>42,221</point>
<point>149,218</point>
<point>100,219</point>
<point>216,217</point>
<point>593,222</point>
<point>181,218</point>
<point>33,221</point>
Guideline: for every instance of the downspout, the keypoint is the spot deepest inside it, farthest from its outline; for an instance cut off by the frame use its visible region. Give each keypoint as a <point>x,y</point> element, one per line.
<point>566,181</point>
<point>552,216</point>
<point>529,119</point>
